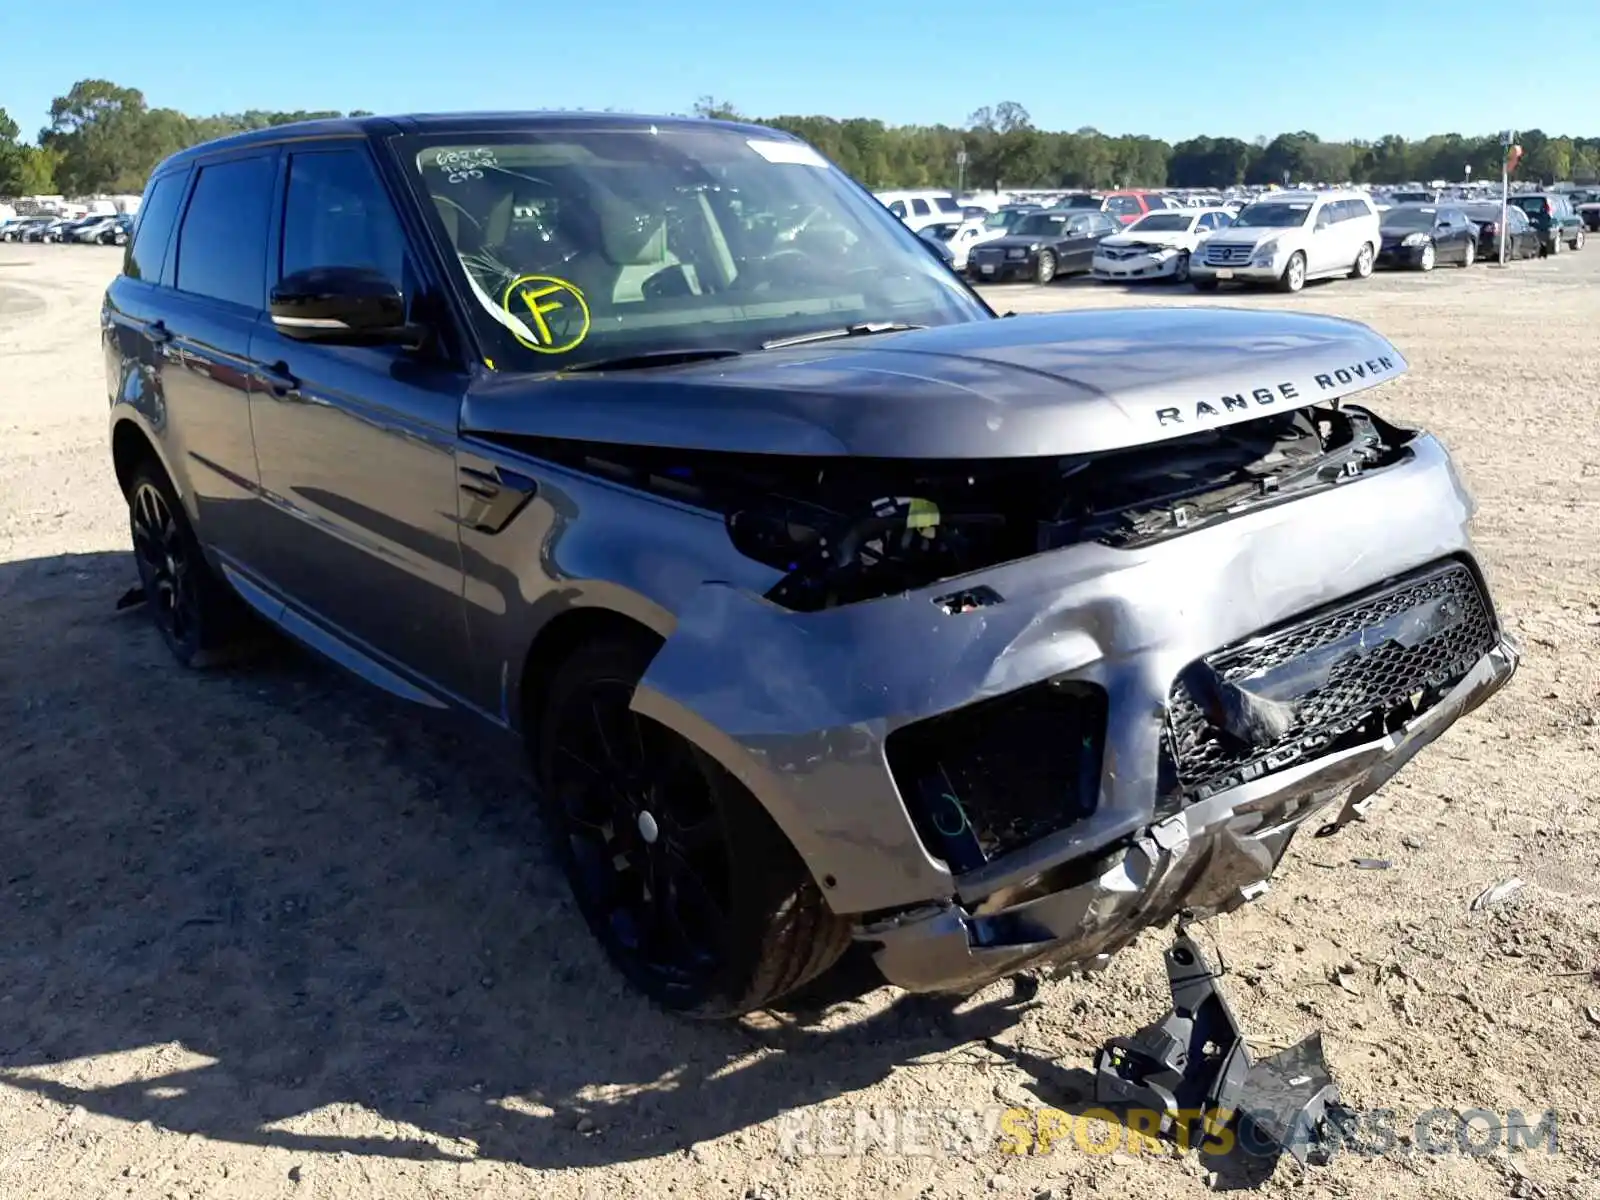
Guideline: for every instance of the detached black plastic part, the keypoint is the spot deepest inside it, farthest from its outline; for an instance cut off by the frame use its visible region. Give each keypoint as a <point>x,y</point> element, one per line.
<point>1193,1067</point>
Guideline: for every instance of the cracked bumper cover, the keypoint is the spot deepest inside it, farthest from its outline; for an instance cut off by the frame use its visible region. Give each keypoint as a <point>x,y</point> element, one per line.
<point>799,706</point>
<point>1209,857</point>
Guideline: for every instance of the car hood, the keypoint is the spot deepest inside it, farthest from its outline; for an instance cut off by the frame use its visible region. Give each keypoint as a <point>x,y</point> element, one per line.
<point>1018,241</point>
<point>1051,384</point>
<point>1249,237</point>
<point>1168,237</point>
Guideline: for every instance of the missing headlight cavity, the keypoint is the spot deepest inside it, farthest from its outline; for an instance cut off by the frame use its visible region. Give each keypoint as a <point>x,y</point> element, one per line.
<point>848,529</point>
<point>994,776</point>
<point>966,600</point>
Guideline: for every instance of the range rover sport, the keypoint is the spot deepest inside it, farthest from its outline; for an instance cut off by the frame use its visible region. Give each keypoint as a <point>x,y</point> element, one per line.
<point>829,604</point>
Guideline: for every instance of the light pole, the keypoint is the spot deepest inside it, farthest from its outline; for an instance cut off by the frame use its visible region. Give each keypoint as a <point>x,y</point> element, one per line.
<point>961,171</point>
<point>1507,139</point>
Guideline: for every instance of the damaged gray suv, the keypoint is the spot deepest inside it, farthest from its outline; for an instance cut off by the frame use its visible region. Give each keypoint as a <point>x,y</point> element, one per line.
<point>829,605</point>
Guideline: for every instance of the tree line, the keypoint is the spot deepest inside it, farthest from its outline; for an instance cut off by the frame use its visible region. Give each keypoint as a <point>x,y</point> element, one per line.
<point>103,137</point>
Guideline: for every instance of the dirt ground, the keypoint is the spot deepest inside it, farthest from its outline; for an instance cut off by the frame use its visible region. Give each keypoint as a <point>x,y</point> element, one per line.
<point>268,934</point>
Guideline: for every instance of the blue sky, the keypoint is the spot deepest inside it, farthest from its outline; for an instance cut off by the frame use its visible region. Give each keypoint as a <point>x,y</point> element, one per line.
<point>1125,66</point>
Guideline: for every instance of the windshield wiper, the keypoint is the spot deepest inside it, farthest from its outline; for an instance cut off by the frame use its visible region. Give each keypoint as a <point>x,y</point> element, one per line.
<point>828,335</point>
<point>656,358</point>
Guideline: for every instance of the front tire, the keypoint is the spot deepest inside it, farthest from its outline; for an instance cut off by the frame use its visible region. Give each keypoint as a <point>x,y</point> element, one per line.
<point>1577,242</point>
<point>1294,273</point>
<point>1429,258</point>
<point>197,615</point>
<point>1363,264</point>
<point>695,894</point>
<point>1180,269</point>
<point>1470,256</point>
<point>1045,269</point>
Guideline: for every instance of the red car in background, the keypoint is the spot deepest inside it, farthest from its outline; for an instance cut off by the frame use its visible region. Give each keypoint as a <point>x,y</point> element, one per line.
<point>1127,206</point>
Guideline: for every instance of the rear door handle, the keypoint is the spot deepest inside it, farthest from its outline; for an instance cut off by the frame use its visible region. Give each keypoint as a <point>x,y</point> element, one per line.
<point>158,332</point>
<point>278,380</point>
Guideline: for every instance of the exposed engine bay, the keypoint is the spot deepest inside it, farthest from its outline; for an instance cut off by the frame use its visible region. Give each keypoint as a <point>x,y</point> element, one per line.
<point>845,530</point>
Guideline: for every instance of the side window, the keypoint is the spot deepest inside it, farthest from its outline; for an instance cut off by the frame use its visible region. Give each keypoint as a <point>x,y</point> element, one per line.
<point>222,246</point>
<point>947,204</point>
<point>919,207</point>
<point>158,213</point>
<point>898,208</point>
<point>337,214</point>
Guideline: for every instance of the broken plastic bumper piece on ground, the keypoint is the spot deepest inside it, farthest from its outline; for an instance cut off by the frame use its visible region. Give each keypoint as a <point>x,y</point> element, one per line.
<point>1193,1068</point>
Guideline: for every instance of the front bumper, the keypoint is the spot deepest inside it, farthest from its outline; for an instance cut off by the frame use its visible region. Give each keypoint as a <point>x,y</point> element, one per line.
<point>1248,272</point>
<point>1211,857</point>
<point>1144,266</point>
<point>987,270</point>
<point>1396,255</point>
<point>801,706</point>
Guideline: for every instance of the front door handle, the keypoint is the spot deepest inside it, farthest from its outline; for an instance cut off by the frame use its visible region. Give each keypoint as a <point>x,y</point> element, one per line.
<point>158,332</point>
<point>278,380</point>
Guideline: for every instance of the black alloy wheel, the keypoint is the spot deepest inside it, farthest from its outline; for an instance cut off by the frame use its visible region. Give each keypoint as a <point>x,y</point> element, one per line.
<point>167,570</point>
<point>689,885</point>
<point>648,859</point>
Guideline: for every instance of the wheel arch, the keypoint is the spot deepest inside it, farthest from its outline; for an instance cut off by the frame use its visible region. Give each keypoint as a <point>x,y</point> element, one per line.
<point>579,623</point>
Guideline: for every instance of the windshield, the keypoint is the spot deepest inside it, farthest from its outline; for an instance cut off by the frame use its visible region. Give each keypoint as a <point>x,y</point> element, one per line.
<point>1162,222</point>
<point>1008,218</point>
<point>591,243</point>
<point>1410,218</point>
<point>1273,215</point>
<point>1043,224</point>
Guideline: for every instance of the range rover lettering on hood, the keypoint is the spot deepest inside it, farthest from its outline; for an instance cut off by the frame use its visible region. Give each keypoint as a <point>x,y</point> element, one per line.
<point>1339,380</point>
<point>1048,384</point>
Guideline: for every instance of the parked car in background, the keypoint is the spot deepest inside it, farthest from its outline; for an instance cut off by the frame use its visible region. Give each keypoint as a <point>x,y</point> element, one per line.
<point>1289,237</point>
<point>47,230</point>
<point>1043,245</point>
<point>1552,214</point>
<point>1522,239</point>
<point>1159,245</point>
<point>920,208</point>
<point>1589,213</point>
<point>1420,236</point>
<point>12,227</point>
<point>958,237</point>
<point>91,230</point>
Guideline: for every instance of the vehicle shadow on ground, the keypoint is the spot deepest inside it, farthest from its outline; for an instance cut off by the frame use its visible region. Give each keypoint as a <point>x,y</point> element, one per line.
<point>330,900</point>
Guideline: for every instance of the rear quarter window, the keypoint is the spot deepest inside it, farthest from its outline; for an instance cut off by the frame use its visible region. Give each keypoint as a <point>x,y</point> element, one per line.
<point>152,232</point>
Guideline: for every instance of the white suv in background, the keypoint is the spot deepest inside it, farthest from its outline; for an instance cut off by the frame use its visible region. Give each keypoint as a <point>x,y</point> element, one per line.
<point>922,208</point>
<point>1286,238</point>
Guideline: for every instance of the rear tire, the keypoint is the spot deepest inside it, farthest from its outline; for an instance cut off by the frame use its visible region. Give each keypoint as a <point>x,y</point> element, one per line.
<point>697,897</point>
<point>198,616</point>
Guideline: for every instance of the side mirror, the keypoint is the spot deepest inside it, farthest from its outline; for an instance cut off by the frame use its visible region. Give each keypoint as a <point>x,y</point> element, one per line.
<point>340,304</point>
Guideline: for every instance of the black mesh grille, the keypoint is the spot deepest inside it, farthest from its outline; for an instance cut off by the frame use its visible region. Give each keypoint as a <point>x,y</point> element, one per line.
<point>1340,669</point>
<point>995,776</point>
